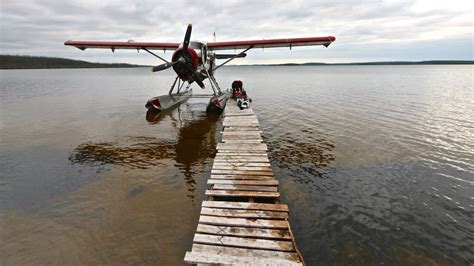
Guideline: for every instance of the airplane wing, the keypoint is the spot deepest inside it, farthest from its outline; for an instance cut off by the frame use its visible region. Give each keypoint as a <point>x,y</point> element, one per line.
<point>272,43</point>
<point>123,45</point>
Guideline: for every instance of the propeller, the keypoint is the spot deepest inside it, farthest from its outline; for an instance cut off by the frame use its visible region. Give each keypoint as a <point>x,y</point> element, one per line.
<point>163,66</point>
<point>184,59</point>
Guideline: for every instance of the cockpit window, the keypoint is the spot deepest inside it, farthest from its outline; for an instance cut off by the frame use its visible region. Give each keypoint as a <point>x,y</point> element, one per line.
<point>195,45</point>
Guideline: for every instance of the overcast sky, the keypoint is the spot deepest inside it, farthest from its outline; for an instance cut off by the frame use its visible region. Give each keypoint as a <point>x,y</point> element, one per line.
<point>372,30</point>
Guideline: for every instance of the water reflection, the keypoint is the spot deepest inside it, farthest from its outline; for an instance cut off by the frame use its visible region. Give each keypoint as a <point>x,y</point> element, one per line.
<point>154,116</point>
<point>132,152</point>
<point>194,143</point>
<point>312,154</point>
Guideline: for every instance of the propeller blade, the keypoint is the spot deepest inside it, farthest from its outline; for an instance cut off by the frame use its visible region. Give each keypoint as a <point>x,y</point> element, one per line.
<point>195,76</point>
<point>163,66</point>
<point>198,80</point>
<point>187,38</point>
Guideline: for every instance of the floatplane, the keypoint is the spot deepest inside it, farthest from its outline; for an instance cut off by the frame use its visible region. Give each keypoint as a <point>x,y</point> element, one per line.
<point>195,61</point>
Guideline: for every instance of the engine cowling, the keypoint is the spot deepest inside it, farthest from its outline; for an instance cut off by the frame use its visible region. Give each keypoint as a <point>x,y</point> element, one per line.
<point>191,58</point>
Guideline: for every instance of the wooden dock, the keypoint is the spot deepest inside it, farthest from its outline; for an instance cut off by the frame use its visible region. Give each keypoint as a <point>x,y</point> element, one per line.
<point>242,222</point>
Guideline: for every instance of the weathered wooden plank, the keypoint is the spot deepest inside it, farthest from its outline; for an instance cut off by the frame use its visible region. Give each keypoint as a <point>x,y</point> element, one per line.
<point>241,133</point>
<point>238,141</point>
<point>242,154</point>
<point>239,193</point>
<point>219,259</point>
<point>259,149</point>
<point>244,242</point>
<point>244,140</point>
<point>243,137</point>
<point>243,231</point>
<point>247,123</point>
<point>242,148</point>
<point>245,187</point>
<point>245,205</point>
<point>243,182</point>
<point>241,119</point>
<point>244,213</point>
<point>241,177</point>
<point>242,172</point>
<point>247,146</point>
<point>239,136</point>
<point>242,168</point>
<point>228,160</point>
<point>244,222</point>
<point>247,164</point>
<point>244,252</point>
<point>239,129</point>
<point>241,158</point>
<point>241,122</point>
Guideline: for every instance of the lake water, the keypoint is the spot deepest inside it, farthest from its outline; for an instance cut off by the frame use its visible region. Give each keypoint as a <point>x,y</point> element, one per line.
<point>375,162</point>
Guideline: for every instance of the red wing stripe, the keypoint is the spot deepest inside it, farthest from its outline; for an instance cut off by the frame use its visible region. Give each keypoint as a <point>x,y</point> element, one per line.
<point>273,43</point>
<point>122,45</point>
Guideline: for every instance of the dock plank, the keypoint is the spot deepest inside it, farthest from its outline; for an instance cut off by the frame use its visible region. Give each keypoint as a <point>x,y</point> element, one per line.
<point>244,252</point>
<point>241,133</point>
<point>247,164</point>
<point>243,222</point>
<point>242,168</point>
<point>242,141</point>
<point>244,213</point>
<point>242,172</point>
<point>243,182</point>
<point>246,205</point>
<point>241,177</point>
<point>242,147</point>
<point>238,156</point>
<point>245,187</point>
<point>242,193</point>
<point>244,242</point>
<point>243,231</point>
<point>240,160</point>
<point>219,259</point>
<point>241,128</point>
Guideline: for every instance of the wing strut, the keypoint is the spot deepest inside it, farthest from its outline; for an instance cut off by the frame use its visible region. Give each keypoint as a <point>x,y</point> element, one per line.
<point>232,58</point>
<point>150,52</point>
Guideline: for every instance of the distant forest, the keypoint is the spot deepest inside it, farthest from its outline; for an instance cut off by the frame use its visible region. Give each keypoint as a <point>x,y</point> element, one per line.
<point>35,62</point>
<point>430,62</point>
